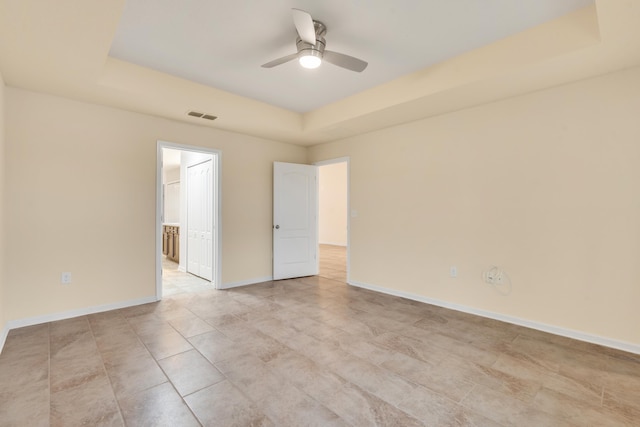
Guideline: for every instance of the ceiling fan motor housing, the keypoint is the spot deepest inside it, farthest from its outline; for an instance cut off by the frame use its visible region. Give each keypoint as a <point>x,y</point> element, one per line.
<point>305,48</point>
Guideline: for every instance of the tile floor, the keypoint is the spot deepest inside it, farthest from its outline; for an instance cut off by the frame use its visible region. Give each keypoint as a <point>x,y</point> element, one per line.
<point>177,282</point>
<point>307,352</point>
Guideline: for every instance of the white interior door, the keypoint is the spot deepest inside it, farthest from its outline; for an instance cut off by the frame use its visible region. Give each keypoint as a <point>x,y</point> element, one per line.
<point>295,226</point>
<point>200,219</point>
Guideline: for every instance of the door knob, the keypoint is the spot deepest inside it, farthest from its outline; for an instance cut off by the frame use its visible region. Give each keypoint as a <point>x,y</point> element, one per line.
<point>277,227</point>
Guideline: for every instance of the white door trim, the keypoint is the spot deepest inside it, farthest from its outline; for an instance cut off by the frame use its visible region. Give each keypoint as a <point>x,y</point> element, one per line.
<point>348,161</point>
<point>217,217</point>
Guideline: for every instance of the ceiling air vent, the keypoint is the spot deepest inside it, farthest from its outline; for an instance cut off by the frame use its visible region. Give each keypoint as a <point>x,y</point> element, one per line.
<point>202,115</point>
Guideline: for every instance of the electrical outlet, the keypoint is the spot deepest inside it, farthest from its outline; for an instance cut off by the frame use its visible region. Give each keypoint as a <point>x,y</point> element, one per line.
<point>65,278</point>
<point>492,275</point>
<point>453,271</point>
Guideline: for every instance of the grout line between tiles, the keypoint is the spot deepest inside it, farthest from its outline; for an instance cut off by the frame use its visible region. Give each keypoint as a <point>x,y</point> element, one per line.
<point>104,369</point>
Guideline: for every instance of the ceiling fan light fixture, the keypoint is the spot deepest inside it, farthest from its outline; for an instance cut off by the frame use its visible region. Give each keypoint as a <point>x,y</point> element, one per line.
<point>310,46</point>
<point>310,59</point>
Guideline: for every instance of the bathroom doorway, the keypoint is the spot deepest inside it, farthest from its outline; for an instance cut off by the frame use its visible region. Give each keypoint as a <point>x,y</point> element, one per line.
<point>187,218</point>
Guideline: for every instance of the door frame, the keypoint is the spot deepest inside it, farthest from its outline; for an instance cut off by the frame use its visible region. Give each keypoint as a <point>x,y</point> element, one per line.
<point>217,211</point>
<point>348,213</point>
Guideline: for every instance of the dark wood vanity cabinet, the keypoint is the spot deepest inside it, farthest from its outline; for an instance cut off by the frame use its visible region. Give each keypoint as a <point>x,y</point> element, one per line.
<point>171,242</point>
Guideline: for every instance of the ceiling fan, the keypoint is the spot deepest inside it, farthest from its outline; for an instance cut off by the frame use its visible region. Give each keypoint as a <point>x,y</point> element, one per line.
<point>311,46</point>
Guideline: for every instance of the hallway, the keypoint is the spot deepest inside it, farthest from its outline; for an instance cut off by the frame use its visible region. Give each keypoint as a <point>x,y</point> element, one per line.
<point>333,262</point>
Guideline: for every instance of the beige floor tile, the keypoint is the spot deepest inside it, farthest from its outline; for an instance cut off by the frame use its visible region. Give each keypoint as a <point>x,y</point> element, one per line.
<point>583,390</point>
<point>621,409</point>
<point>295,408</point>
<point>429,407</point>
<point>576,412</point>
<point>322,352</point>
<point>67,327</point>
<point>483,355</point>
<point>374,379</point>
<point>157,406</point>
<point>256,381</point>
<point>353,404</point>
<point>165,344</point>
<point>307,351</point>
<point>449,384</point>
<point>363,348</point>
<point>360,408</point>
<point>507,410</point>
<point>220,320</point>
<point>190,372</point>
<point>522,366</point>
<point>134,375</point>
<point>223,405</point>
<point>464,417</point>
<point>74,357</point>
<point>190,325</point>
<point>149,325</point>
<point>260,344</point>
<point>521,388</point>
<point>216,347</point>
<point>418,349</point>
<point>278,329</point>
<point>314,328</point>
<point>123,350</point>
<point>75,369</point>
<point>29,335</point>
<point>88,403</point>
<point>22,368</point>
<point>25,405</point>
<point>30,342</point>
<point>622,381</point>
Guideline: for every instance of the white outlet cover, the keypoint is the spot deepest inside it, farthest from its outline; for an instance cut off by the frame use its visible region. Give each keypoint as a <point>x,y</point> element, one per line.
<point>65,278</point>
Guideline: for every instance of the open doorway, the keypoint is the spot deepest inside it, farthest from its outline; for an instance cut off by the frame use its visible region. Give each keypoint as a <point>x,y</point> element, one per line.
<point>333,218</point>
<point>187,219</point>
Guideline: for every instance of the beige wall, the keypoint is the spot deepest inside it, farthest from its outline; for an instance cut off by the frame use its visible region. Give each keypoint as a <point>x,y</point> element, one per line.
<point>332,194</point>
<point>545,185</point>
<point>81,198</point>
<point>3,318</point>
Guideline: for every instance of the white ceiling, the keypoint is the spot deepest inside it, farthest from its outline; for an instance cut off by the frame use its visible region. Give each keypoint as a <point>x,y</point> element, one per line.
<point>223,43</point>
<point>68,47</point>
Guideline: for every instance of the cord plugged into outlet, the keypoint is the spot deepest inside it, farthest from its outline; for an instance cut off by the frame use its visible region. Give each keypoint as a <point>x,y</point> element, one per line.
<point>497,278</point>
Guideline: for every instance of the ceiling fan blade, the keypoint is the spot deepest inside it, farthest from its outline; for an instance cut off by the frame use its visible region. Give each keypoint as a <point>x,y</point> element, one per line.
<point>280,61</point>
<point>304,25</point>
<point>345,61</point>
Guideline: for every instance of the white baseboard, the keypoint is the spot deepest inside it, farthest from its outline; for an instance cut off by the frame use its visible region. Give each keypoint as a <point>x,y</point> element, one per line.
<point>3,336</point>
<point>230,285</point>
<point>344,245</point>
<point>556,330</point>
<point>13,324</point>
